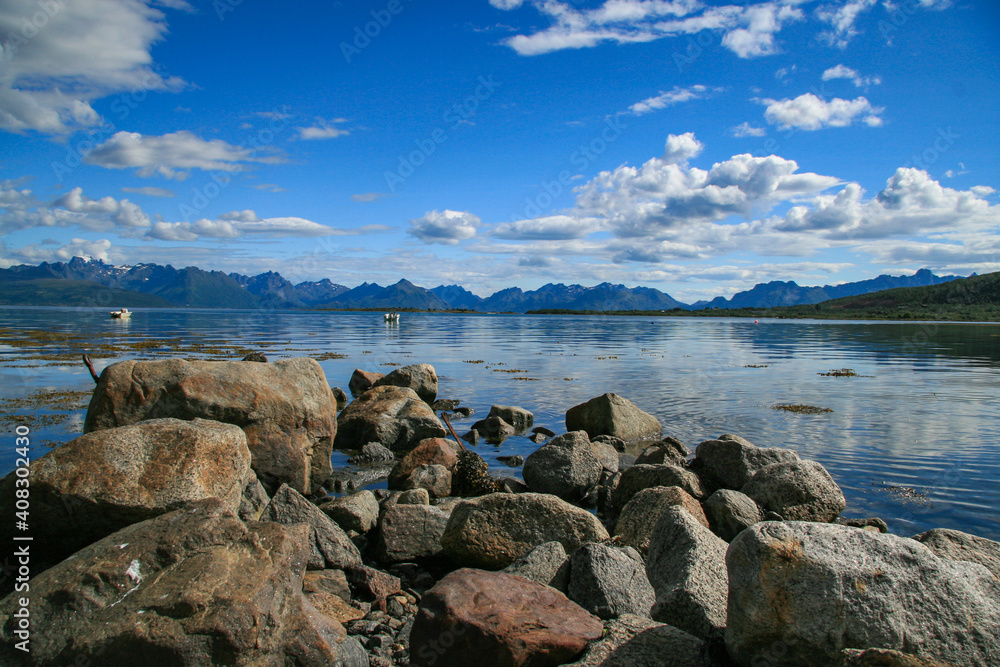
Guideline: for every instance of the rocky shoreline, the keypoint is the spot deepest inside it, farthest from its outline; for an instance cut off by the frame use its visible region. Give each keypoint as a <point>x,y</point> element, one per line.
<point>194,523</point>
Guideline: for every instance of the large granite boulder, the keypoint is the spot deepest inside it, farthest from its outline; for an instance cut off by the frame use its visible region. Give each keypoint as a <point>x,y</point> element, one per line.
<point>611,414</point>
<point>361,381</point>
<point>610,581</point>
<point>412,471</point>
<point>357,512</point>
<point>687,568</point>
<point>394,417</point>
<point>638,477</point>
<point>286,408</point>
<point>195,586</point>
<point>956,545</point>
<point>796,491</point>
<point>547,564</point>
<point>732,460</point>
<point>731,512</point>
<point>329,545</point>
<point>408,532</point>
<point>421,378</point>
<point>474,617</point>
<point>494,530</point>
<point>817,589</point>
<point>640,514</point>
<point>564,466</point>
<point>103,481</point>
<point>635,641</point>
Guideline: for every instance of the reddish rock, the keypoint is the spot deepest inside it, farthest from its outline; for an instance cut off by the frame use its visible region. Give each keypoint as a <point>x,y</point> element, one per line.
<point>431,451</point>
<point>362,381</point>
<point>372,585</point>
<point>475,617</point>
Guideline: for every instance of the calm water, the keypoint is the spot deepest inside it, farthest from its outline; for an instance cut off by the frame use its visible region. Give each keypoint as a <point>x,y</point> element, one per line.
<point>914,439</point>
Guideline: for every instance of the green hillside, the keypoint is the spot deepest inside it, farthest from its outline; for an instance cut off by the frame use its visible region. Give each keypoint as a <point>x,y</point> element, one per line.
<point>58,292</point>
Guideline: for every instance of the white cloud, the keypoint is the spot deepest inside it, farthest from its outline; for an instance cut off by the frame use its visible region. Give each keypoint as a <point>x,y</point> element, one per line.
<point>270,187</point>
<point>447,227</point>
<point>844,72</point>
<point>762,23</point>
<point>809,112</point>
<point>170,155</point>
<point>747,130</point>
<point>553,227</point>
<point>842,19</point>
<point>366,197</point>
<point>680,148</point>
<point>36,253</point>
<point>84,50</point>
<point>323,129</point>
<point>150,191</point>
<point>668,99</point>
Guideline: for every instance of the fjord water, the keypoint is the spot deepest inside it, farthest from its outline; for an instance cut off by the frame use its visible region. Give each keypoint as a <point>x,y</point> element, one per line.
<point>913,438</point>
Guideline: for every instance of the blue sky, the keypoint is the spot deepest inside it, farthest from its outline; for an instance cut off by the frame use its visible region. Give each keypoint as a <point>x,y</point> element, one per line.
<point>693,146</point>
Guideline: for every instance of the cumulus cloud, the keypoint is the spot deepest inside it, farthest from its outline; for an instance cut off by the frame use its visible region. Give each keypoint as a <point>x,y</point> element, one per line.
<point>171,155</point>
<point>36,253</point>
<point>844,72</point>
<point>810,112</point>
<point>85,50</point>
<point>680,148</point>
<point>447,227</point>
<point>323,129</point>
<point>553,227</point>
<point>842,20</point>
<point>670,98</point>
<point>747,130</point>
<point>762,23</point>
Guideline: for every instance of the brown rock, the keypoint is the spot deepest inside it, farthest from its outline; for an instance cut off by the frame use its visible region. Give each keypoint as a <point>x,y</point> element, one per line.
<point>474,617</point>
<point>286,408</point>
<point>421,378</point>
<point>361,381</point>
<point>394,417</point>
<point>431,451</point>
<point>371,585</point>
<point>640,514</point>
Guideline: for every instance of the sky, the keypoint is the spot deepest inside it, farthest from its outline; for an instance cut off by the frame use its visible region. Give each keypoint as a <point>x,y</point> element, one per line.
<point>693,146</point>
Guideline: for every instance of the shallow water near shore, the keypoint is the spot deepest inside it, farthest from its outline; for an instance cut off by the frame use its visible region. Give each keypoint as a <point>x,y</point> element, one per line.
<point>912,433</point>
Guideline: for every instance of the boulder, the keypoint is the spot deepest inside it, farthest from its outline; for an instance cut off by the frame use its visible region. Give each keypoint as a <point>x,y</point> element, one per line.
<point>640,514</point>
<point>797,491</point>
<point>619,444</point>
<point>496,529</point>
<point>519,418</point>
<point>421,378</point>
<point>732,461</point>
<point>357,512</point>
<point>195,586</point>
<point>956,545</point>
<point>432,451</point>
<point>394,417</point>
<point>408,532</point>
<point>669,450</point>
<point>638,477</point>
<point>370,585</point>
<point>285,408</point>
<point>361,381</point>
<point>329,546</point>
<point>414,497</point>
<point>816,589</point>
<point>730,512</point>
<point>340,396</point>
<point>564,466</point>
<point>372,453</point>
<point>436,479</point>
<point>687,568</point>
<point>611,414</point>
<point>254,500</point>
<point>103,481</point>
<point>634,641</point>
<point>610,581</point>
<point>868,523</point>
<point>606,455</point>
<point>493,429</point>
<point>546,564</point>
<point>473,617</point>
<point>884,657</point>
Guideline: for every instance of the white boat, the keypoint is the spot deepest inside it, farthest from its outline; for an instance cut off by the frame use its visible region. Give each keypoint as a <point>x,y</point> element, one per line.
<point>391,317</point>
<point>121,314</point>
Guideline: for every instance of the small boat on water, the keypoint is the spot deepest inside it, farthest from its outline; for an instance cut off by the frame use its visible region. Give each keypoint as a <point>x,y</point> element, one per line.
<point>122,314</point>
<point>391,317</point>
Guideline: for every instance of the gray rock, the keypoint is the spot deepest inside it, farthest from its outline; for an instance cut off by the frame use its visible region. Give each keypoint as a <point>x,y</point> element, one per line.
<point>408,532</point>
<point>956,545</point>
<point>493,429</point>
<point>372,452</point>
<point>357,512</point>
<point>610,581</point>
<point>869,523</point>
<point>512,485</point>
<point>797,491</point>
<point>494,530</point>
<point>514,461</point>
<point>421,378</point>
<point>640,514</point>
<point>732,460</point>
<point>435,478</point>
<point>816,589</point>
<point>541,430</point>
<point>607,455</point>
<point>414,497</point>
<point>254,499</point>
<point>610,414</point>
<point>639,477</point>
<point>565,466</point>
<point>615,442</point>
<point>519,418</point>
<point>394,417</point>
<point>103,481</point>
<point>286,408</point>
<point>687,568</point>
<point>668,450</point>
<point>195,586</point>
<point>329,546</point>
<point>547,564</point>
<point>340,396</point>
<point>634,641</point>
<point>730,512</point>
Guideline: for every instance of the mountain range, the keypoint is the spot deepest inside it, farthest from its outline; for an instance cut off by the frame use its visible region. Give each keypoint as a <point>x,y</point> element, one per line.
<point>81,281</point>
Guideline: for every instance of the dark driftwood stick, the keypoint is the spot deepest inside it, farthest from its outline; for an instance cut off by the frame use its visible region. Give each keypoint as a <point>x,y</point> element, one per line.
<point>90,367</point>
<point>444,416</point>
